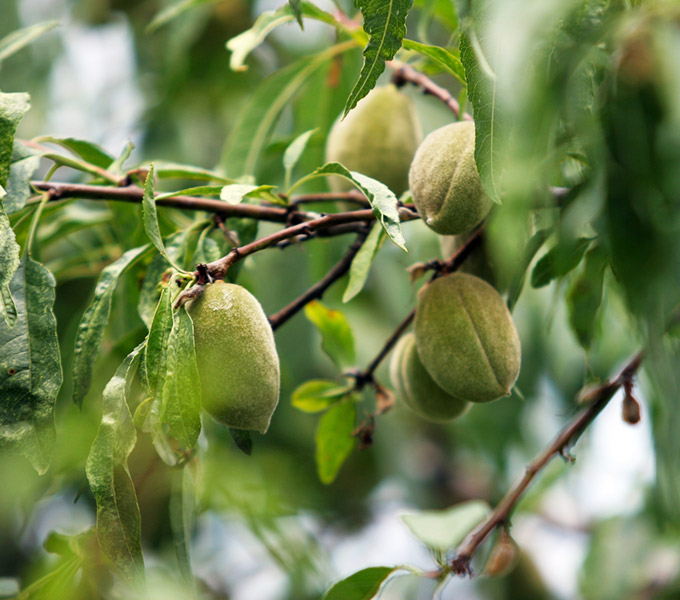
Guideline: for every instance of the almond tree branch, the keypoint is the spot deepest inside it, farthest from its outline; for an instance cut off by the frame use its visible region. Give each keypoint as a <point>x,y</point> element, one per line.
<point>559,446</point>
<point>317,290</point>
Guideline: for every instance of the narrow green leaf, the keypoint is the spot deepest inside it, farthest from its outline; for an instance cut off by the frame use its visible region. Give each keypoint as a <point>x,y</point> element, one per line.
<point>170,170</point>
<point>445,529</point>
<point>9,263</point>
<point>60,582</point>
<point>318,394</point>
<point>361,265</point>
<point>294,151</point>
<point>181,387</point>
<point>118,518</point>
<point>117,165</point>
<point>441,56</point>
<point>156,349</point>
<point>167,14</point>
<point>559,260</point>
<point>337,340</point>
<point>334,441</point>
<point>533,246</point>
<point>150,218</point>
<point>12,109</point>
<point>21,38</point>
<point>88,151</point>
<point>362,585</point>
<point>490,123</point>
<point>382,199</point>
<point>585,295</point>
<point>91,327</point>
<point>182,516</point>
<point>297,11</point>
<point>30,366</point>
<point>256,121</point>
<point>242,439</point>
<point>201,190</point>
<point>385,24</point>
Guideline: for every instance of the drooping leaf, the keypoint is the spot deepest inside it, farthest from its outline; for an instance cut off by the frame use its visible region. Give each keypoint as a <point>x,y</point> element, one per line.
<point>490,123</point>
<point>585,295</point>
<point>362,585</point>
<point>385,24</point>
<point>334,441</point>
<point>118,518</point>
<point>559,260</point>
<point>256,121</point>
<point>181,387</point>
<point>30,366</point>
<point>533,246</point>
<point>337,340</point>
<point>21,38</point>
<point>444,529</point>
<point>12,109</point>
<point>201,190</point>
<point>318,394</point>
<point>168,13</point>
<point>297,11</point>
<point>9,263</point>
<point>382,199</point>
<point>441,56</point>
<point>361,265</point>
<point>170,170</point>
<point>91,327</point>
<point>88,151</point>
<point>156,349</point>
<point>182,516</point>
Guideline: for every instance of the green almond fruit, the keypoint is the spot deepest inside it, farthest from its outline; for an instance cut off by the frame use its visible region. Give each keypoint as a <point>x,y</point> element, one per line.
<point>466,338</point>
<point>414,386</point>
<point>237,360</point>
<point>378,138</point>
<point>444,181</point>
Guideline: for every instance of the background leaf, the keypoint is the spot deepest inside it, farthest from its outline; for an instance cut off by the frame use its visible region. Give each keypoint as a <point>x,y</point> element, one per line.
<point>385,24</point>
<point>334,441</point>
<point>337,340</point>
<point>21,38</point>
<point>30,367</point>
<point>362,585</point>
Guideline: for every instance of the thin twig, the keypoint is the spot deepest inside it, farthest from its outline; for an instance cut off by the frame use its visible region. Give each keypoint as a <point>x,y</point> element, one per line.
<point>408,73</point>
<point>318,289</point>
<point>559,446</point>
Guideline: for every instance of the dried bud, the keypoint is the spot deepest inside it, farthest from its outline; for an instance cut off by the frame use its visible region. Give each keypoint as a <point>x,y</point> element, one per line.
<point>384,399</point>
<point>631,409</point>
<point>503,556</point>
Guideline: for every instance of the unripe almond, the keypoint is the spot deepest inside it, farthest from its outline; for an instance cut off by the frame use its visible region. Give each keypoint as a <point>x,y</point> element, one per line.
<point>413,384</point>
<point>444,181</point>
<point>236,354</point>
<point>466,338</point>
<point>377,138</point>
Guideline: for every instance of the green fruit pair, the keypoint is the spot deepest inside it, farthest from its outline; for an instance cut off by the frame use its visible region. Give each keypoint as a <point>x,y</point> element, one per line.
<point>444,181</point>
<point>378,138</point>
<point>465,348</point>
<point>237,360</point>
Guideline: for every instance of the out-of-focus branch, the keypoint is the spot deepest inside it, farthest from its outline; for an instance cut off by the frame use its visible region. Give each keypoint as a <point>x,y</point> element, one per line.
<point>599,397</point>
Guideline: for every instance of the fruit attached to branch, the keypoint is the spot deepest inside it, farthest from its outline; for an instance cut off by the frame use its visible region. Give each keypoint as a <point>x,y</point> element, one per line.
<point>444,181</point>
<point>378,138</point>
<point>414,386</point>
<point>237,360</point>
<point>466,338</point>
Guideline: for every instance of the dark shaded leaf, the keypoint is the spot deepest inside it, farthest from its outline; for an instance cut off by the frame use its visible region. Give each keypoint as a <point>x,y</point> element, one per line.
<point>385,24</point>
<point>559,260</point>
<point>361,265</point>
<point>533,246</point>
<point>91,327</point>
<point>30,367</point>
<point>118,518</point>
<point>242,439</point>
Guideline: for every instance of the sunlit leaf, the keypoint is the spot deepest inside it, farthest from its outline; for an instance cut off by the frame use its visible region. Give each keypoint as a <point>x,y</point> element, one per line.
<point>362,585</point>
<point>317,395</point>
<point>12,109</point>
<point>337,340</point>
<point>441,56</point>
<point>88,151</point>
